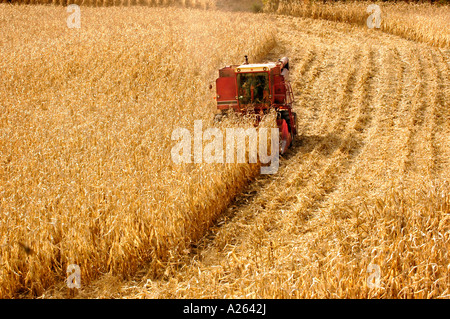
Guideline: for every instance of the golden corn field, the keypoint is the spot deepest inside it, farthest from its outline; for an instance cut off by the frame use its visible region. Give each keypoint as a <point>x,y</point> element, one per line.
<point>419,22</point>
<point>86,175</point>
<point>205,4</point>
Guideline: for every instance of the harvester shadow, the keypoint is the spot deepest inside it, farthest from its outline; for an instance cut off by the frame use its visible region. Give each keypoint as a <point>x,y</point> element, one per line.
<point>324,145</point>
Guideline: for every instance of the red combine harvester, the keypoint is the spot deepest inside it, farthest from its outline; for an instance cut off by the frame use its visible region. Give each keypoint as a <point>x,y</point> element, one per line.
<point>257,88</point>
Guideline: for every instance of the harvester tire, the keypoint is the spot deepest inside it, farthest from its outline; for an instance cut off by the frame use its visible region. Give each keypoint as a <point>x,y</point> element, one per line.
<point>284,137</point>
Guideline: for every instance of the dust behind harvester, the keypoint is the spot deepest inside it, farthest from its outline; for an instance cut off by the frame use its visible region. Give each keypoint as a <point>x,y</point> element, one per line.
<point>257,88</point>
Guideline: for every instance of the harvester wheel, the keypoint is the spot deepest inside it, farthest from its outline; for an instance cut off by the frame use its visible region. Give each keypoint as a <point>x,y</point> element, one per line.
<point>296,123</point>
<point>284,137</point>
<point>285,116</point>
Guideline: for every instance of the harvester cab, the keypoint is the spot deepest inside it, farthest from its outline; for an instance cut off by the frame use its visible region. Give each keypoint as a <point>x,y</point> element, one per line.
<point>258,88</point>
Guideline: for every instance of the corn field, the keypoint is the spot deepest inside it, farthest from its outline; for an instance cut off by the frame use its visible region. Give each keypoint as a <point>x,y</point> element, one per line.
<point>86,176</point>
<point>205,4</point>
<point>418,22</point>
<point>368,186</point>
<point>87,116</point>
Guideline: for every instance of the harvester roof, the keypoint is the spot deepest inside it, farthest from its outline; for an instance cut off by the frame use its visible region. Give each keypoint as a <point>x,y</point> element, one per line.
<point>257,67</point>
